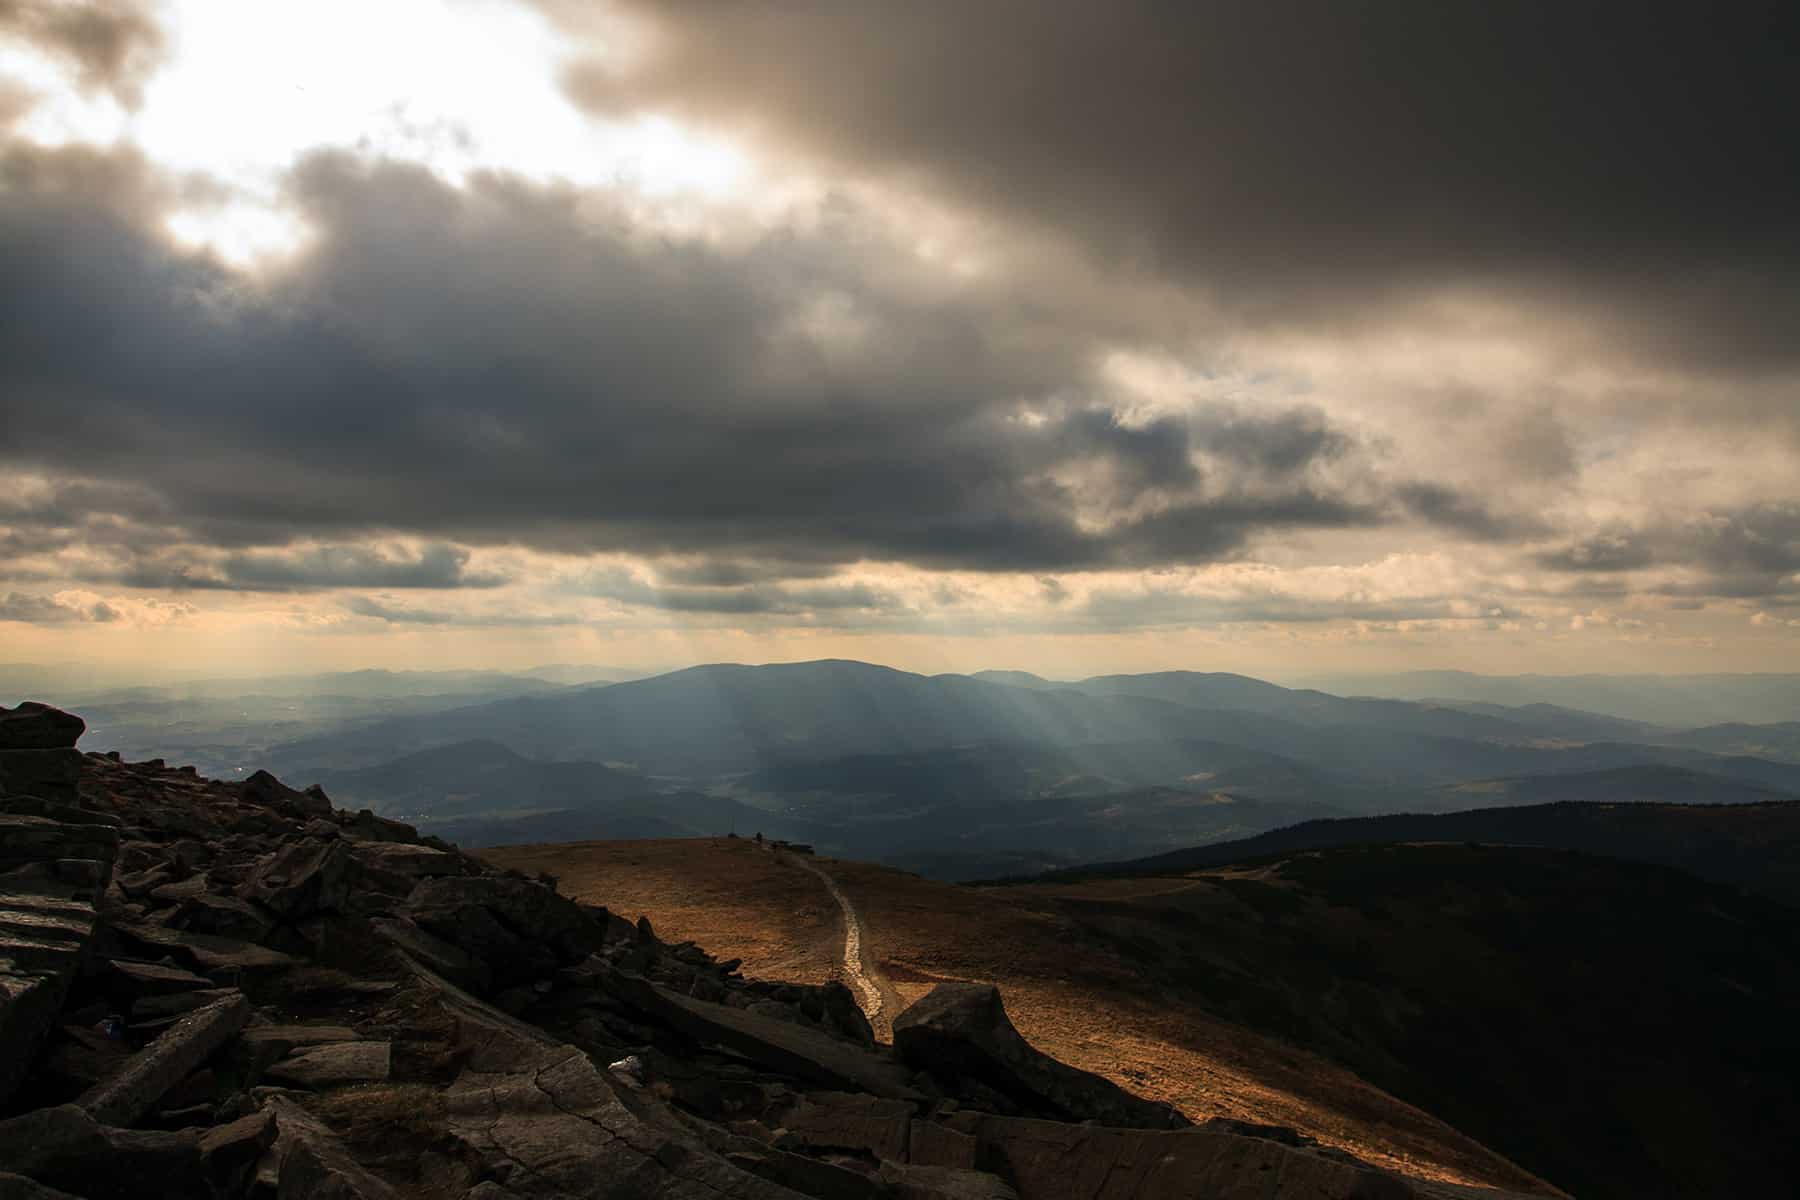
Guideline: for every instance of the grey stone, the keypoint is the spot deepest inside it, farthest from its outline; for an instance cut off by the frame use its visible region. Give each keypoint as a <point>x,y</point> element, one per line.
<point>229,1152</point>
<point>65,1148</point>
<point>17,1187</point>
<point>151,979</point>
<point>960,1031</point>
<point>48,774</point>
<point>156,1008</point>
<point>447,960</point>
<point>520,929</point>
<point>550,1127</point>
<point>848,1121</point>
<point>793,1049</point>
<point>68,814</point>
<point>908,1181</point>
<point>34,725</point>
<point>266,791</point>
<point>413,862</point>
<point>335,1063</point>
<point>308,877</point>
<point>310,1163</point>
<point>204,952</point>
<point>1055,1160</point>
<point>165,1062</point>
<point>29,1001</point>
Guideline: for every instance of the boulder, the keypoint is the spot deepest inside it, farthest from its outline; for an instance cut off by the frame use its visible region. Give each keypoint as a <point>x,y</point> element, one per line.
<point>223,916</point>
<point>410,861</point>
<point>549,1127</point>
<point>44,938</point>
<point>27,839</point>
<point>844,1014</point>
<point>849,1121</point>
<point>310,1163</point>
<point>219,956</point>
<point>366,826</point>
<point>440,956</point>
<point>960,1031</point>
<point>909,1181</point>
<point>17,1187</point>
<point>53,775</point>
<point>29,1001</point>
<point>265,791</point>
<point>133,979</point>
<point>334,1064</point>
<point>229,1152</point>
<point>307,877</point>
<point>65,1148</point>
<point>520,929</point>
<point>1054,1160</point>
<point>37,726</point>
<point>69,814</point>
<point>165,1062</point>
<point>790,1048</point>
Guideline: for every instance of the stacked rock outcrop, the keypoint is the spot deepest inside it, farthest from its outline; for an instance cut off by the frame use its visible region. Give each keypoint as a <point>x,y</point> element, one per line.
<point>229,990</point>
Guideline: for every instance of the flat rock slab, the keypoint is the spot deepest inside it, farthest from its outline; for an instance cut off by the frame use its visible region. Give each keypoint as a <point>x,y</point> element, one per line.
<point>204,951</point>
<point>335,1064</point>
<point>17,1187</point>
<point>309,1160</point>
<point>1054,1160</point>
<point>282,1038</point>
<point>414,862</point>
<point>961,1031</point>
<point>151,1072</point>
<point>154,979</point>
<point>434,952</point>
<point>551,1128</point>
<point>793,1049</point>
<point>29,1001</point>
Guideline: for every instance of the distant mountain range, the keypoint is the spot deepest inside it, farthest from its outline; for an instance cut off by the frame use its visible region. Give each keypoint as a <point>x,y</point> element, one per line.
<point>968,776</point>
<point>1684,701</point>
<point>1754,846</point>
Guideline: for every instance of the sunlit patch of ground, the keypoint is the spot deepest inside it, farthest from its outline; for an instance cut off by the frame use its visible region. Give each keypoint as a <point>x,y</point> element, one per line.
<point>1072,996</point>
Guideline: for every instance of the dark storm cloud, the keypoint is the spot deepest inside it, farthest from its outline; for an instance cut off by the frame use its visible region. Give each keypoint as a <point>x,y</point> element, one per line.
<point>47,610</point>
<point>626,587</point>
<point>1745,553</point>
<point>1311,159</point>
<point>113,44</point>
<point>436,566</point>
<point>514,364</point>
<point>395,614</point>
<point>1449,508</point>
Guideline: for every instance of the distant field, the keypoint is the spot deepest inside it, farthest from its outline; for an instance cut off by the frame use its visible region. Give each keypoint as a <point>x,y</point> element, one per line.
<point>1068,991</point>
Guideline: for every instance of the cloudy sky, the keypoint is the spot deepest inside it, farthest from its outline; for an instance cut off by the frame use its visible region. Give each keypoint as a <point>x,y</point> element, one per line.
<point>1270,336</point>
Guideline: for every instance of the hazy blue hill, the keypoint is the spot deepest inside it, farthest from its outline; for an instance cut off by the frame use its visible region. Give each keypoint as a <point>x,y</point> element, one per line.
<point>1753,845</point>
<point>1520,992</point>
<point>478,777</point>
<point>1639,784</point>
<point>1024,679</point>
<point>1673,701</point>
<point>724,718</point>
<point>1558,722</point>
<point>480,793</point>
<point>1780,741</point>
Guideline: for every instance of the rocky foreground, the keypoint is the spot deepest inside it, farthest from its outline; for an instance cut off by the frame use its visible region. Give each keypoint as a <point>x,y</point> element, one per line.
<point>225,990</point>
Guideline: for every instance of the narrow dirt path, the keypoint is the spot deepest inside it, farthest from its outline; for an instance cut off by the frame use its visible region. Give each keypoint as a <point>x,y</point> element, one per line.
<point>865,982</point>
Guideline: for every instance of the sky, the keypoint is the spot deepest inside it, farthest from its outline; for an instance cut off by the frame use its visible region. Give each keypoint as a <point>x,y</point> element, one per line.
<point>1277,337</point>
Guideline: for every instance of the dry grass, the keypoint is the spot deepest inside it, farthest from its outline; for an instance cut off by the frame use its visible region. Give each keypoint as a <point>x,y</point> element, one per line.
<point>377,1112</point>
<point>1069,996</point>
<point>725,894</point>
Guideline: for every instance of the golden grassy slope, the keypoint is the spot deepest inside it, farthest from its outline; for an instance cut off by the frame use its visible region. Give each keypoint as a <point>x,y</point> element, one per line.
<point>1070,996</point>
